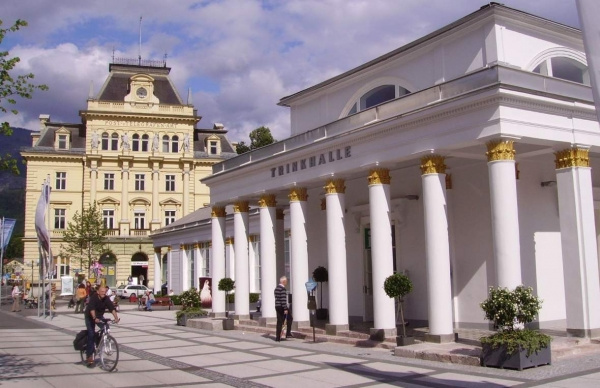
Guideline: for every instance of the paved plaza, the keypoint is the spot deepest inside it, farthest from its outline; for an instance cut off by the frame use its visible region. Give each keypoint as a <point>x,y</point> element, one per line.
<point>155,352</point>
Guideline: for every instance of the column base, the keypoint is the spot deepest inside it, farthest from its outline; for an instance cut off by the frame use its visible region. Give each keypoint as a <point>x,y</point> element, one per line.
<point>440,338</point>
<point>331,329</point>
<point>264,321</point>
<point>216,315</point>
<point>238,317</point>
<point>296,325</point>
<point>382,334</point>
<point>583,333</point>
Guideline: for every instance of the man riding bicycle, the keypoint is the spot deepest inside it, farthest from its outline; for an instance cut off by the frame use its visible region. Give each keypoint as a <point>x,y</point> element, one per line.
<point>94,312</point>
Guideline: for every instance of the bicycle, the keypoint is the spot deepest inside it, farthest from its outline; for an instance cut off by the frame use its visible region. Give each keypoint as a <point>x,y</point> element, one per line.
<point>106,347</point>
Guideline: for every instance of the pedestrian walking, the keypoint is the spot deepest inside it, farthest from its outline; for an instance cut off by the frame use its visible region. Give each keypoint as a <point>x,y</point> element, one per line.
<point>16,296</point>
<point>282,309</point>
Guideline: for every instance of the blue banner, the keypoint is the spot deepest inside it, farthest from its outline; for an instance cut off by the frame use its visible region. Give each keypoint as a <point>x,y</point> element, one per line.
<point>8,224</point>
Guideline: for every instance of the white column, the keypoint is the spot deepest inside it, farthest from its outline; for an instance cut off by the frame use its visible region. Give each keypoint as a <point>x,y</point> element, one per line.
<point>299,256</point>
<point>170,270</point>
<point>268,274</point>
<point>217,261</point>
<point>229,258</point>
<point>157,270</point>
<point>185,264</point>
<point>336,256</point>
<point>240,246</point>
<point>384,313</point>
<point>279,244</point>
<point>505,213</point>
<point>186,190</point>
<point>437,250</point>
<point>198,270</point>
<point>578,239</point>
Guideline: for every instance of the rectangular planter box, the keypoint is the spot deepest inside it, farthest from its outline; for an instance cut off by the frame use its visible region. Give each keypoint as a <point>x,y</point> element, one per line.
<point>519,360</point>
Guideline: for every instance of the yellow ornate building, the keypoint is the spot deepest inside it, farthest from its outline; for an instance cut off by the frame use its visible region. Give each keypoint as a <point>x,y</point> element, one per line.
<point>137,153</point>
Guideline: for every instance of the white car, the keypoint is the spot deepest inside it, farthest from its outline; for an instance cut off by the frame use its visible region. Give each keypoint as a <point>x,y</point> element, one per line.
<point>126,291</point>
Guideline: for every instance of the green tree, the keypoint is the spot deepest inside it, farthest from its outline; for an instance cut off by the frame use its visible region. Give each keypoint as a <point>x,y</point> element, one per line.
<point>14,249</point>
<point>10,88</point>
<point>84,237</point>
<point>259,137</point>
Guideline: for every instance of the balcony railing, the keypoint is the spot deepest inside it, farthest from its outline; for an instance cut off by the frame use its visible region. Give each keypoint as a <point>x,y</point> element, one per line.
<point>139,232</point>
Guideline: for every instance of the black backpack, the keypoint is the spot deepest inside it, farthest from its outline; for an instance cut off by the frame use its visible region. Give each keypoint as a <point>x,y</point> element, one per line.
<point>80,341</point>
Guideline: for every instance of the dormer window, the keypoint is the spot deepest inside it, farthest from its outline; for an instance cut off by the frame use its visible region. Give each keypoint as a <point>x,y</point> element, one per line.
<point>62,139</point>
<point>213,145</point>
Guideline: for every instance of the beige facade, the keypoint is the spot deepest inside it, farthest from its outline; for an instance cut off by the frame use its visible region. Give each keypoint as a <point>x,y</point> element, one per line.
<point>137,153</point>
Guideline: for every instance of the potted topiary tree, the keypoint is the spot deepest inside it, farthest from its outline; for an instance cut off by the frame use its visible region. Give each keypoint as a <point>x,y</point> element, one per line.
<point>398,286</point>
<point>227,285</point>
<point>514,346</point>
<point>321,275</point>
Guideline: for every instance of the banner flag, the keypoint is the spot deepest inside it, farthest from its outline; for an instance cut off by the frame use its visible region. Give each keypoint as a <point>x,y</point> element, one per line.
<point>42,232</point>
<point>7,228</point>
<point>66,285</point>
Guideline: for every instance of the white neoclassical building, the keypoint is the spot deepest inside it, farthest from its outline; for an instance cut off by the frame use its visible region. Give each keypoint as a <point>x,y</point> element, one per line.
<point>467,159</point>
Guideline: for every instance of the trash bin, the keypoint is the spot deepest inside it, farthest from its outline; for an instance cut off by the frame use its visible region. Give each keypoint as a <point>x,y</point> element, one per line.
<point>164,289</point>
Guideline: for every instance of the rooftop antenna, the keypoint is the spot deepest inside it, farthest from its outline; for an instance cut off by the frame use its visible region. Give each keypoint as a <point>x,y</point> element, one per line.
<point>140,45</point>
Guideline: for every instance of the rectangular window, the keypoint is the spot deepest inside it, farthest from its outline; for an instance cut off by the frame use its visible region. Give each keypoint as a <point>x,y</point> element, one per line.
<point>139,220</point>
<point>60,270</point>
<point>109,181</point>
<point>170,181</point>
<point>59,218</point>
<point>61,181</point>
<point>213,147</point>
<point>169,217</point>
<point>139,182</point>
<point>144,143</point>
<point>62,142</point>
<point>108,217</point>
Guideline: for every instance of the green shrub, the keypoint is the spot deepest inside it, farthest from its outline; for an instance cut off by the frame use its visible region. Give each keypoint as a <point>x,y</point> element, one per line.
<point>510,311</point>
<point>191,312</point>
<point>176,300</point>
<point>190,298</point>
<point>254,296</point>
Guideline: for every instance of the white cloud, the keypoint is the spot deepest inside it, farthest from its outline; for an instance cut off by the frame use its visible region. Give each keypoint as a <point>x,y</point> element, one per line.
<point>250,52</point>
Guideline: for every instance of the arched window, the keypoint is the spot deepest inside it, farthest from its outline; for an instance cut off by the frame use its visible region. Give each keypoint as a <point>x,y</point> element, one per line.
<point>376,96</point>
<point>105,141</point>
<point>175,144</point>
<point>165,142</point>
<point>145,141</point>
<point>564,68</point>
<point>135,142</point>
<point>114,142</point>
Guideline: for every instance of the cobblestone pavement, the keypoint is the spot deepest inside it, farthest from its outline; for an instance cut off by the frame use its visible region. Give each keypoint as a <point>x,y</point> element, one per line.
<point>154,352</point>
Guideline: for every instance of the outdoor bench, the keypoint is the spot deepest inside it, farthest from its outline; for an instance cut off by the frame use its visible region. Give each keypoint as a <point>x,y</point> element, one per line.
<point>159,301</point>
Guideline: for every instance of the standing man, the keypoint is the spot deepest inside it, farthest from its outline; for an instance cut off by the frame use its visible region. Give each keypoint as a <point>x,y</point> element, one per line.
<point>282,309</point>
<point>94,312</point>
<point>16,295</point>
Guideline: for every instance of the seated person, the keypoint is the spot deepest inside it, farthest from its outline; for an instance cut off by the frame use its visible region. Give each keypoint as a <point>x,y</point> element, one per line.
<point>150,300</point>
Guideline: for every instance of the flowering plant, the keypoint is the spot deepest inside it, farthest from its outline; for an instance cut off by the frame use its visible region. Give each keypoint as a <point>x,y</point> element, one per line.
<point>190,298</point>
<point>510,311</point>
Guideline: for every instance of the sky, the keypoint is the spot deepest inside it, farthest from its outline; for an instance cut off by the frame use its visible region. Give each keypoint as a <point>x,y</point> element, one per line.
<point>238,57</point>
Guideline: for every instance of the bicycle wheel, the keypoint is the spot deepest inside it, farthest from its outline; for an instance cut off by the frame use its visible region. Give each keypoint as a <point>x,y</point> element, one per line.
<point>109,353</point>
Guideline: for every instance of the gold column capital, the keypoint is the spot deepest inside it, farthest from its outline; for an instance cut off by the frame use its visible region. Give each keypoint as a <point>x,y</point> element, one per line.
<point>217,211</point>
<point>298,194</point>
<point>433,164</point>
<point>335,186</point>
<point>500,149</point>
<point>157,250</point>
<point>241,207</point>
<point>267,200</point>
<point>252,238</point>
<point>196,245</point>
<point>379,176</point>
<point>229,241</point>
<point>572,157</point>
<point>182,247</point>
<point>169,248</point>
